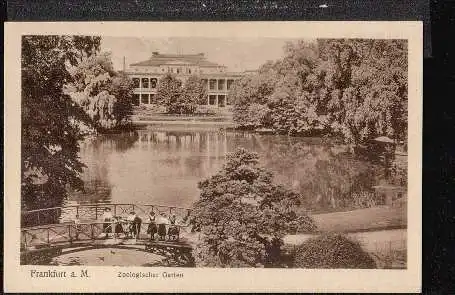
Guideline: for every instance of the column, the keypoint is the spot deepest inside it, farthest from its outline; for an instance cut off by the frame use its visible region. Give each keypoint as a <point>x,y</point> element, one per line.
<point>140,90</point>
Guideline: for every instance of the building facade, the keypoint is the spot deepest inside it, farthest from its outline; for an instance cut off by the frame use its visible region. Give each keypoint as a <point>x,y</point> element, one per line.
<point>146,74</point>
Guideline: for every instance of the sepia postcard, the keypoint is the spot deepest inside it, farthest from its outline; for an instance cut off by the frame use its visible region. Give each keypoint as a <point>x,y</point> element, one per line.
<point>213,157</point>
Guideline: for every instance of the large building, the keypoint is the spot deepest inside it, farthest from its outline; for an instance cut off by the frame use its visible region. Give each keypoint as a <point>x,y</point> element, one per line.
<point>146,74</point>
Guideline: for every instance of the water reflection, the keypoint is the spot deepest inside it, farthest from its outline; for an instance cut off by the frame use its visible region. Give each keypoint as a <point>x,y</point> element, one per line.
<point>164,167</point>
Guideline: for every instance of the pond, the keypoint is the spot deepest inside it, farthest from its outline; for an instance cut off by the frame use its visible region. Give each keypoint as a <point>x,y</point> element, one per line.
<point>164,167</point>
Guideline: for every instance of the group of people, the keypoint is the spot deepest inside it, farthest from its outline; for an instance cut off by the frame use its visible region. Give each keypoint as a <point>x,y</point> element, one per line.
<point>159,226</point>
<point>130,226</point>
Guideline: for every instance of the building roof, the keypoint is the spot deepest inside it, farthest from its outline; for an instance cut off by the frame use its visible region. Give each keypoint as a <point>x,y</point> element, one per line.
<point>158,59</point>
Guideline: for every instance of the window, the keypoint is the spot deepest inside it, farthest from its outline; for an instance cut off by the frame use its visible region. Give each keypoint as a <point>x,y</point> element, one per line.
<point>221,100</point>
<point>189,71</point>
<point>212,100</point>
<point>136,82</point>
<point>136,99</point>
<point>152,98</point>
<point>212,84</point>
<point>227,101</point>
<point>145,82</point>
<point>229,83</point>
<point>178,71</point>
<point>153,82</point>
<point>145,98</point>
<point>221,84</point>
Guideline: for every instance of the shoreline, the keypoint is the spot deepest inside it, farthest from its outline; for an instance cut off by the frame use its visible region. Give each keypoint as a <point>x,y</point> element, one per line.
<point>182,122</point>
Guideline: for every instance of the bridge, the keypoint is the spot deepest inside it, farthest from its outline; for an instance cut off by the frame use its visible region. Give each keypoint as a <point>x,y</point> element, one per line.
<point>47,232</point>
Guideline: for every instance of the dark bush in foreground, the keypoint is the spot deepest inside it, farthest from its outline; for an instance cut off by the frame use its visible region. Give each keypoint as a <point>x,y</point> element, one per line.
<point>332,251</point>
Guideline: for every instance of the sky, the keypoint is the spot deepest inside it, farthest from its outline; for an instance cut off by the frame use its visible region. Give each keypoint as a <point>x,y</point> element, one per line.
<point>237,54</point>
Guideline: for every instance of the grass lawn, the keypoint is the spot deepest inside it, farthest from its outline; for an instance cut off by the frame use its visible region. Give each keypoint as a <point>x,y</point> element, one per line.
<point>367,219</point>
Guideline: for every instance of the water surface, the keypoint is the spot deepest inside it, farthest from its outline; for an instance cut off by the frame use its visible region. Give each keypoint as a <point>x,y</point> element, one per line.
<point>164,167</point>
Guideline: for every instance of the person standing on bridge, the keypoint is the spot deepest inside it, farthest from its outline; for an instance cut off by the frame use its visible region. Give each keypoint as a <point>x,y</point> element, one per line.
<point>135,224</point>
<point>152,229</point>
<point>118,227</point>
<point>162,221</point>
<point>173,231</point>
<point>107,219</point>
<point>77,226</point>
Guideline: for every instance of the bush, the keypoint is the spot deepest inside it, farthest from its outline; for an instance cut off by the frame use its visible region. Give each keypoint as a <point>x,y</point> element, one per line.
<point>332,251</point>
<point>242,215</point>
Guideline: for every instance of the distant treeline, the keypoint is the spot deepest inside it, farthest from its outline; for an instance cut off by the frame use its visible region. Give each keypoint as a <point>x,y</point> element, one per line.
<point>352,88</point>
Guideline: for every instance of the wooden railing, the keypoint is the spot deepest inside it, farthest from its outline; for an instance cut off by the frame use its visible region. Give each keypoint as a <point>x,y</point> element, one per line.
<point>69,234</point>
<point>88,212</point>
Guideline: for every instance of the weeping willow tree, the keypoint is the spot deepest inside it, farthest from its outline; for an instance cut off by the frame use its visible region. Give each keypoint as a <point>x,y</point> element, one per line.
<point>104,94</point>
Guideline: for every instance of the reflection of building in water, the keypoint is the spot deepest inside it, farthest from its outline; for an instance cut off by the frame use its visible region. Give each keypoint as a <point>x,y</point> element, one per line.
<point>146,75</point>
<point>211,145</point>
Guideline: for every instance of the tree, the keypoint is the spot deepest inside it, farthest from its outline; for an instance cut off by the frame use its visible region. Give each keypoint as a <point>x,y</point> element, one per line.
<point>242,215</point>
<point>332,250</point>
<point>104,94</point>
<point>251,93</point>
<point>353,88</point>
<point>193,94</point>
<point>49,145</point>
<point>366,85</point>
<point>169,93</point>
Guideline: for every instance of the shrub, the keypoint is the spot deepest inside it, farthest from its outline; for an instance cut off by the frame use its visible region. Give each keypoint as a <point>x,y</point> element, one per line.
<point>242,215</point>
<point>332,250</point>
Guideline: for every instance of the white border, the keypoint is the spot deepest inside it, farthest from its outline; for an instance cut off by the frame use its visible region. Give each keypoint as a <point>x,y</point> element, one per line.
<point>103,279</point>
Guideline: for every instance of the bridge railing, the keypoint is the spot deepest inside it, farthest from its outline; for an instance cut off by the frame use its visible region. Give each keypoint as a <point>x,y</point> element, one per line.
<point>62,234</point>
<point>89,212</point>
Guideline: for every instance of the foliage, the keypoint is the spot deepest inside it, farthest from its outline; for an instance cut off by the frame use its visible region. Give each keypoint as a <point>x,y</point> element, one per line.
<point>350,87</point>
<point>334,182</point>
<point>325,175</point>
<point>367,82</point>
<point>243,215</point>
<point>180,99</point>
<point>194,93</point>
<point>332,250</point>
<point>50,160</point>
<point>104,94</point>
<point>169,93</point>
<point>253,115</point>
